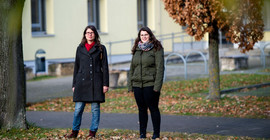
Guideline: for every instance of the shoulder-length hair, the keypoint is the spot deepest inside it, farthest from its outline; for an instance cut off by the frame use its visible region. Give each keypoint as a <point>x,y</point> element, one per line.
<point>93,28</point>
<point>152,39</point>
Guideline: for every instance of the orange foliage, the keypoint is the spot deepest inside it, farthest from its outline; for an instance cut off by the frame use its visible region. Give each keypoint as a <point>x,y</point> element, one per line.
<point>241,20</point>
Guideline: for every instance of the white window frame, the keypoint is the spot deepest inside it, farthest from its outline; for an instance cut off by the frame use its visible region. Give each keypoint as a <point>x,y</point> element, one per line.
<point>93,10</point>
<point>266,15</point>
<point>41,24</point>
<point>141,12</point>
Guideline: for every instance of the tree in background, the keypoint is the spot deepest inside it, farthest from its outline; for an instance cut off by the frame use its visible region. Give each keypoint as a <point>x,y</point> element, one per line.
<point>240,20</point>
<point>12,78</point>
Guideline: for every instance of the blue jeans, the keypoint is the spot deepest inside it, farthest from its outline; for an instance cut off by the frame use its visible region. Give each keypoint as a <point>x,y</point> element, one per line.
<point>79,107</point>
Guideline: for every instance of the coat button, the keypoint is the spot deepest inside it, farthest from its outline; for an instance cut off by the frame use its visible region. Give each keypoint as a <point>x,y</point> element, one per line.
<point>91,65</point>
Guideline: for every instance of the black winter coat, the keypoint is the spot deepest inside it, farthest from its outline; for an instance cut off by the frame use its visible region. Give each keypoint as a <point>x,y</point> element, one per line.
<point>91,73</point>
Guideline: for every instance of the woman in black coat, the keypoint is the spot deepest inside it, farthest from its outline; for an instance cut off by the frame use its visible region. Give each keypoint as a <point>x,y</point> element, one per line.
<point>90,79</point>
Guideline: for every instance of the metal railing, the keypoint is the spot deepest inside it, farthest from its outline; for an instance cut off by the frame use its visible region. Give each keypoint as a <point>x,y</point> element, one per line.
<point>180,36</point>
<point>166,60</point>
<point>173,36</point>
<point>184,59</point>
<point>263,56</point>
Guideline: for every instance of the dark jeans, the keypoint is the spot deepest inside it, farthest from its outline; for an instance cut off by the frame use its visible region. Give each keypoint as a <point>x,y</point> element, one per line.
<point>146,98</point>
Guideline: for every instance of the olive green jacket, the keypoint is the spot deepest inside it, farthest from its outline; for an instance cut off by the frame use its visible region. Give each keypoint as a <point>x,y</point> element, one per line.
<point>146,69</point>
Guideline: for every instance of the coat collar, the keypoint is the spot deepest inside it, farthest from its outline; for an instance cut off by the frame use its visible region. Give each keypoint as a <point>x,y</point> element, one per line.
<point>92,50</point>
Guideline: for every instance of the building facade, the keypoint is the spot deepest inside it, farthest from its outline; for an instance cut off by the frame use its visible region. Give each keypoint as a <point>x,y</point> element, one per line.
<point>56,26</point>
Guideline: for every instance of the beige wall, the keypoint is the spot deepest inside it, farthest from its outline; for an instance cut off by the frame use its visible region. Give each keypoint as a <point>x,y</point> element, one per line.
<point>65,24</point>
<point>266,17</point>
<point>266,36</point>
<point>121,24</point>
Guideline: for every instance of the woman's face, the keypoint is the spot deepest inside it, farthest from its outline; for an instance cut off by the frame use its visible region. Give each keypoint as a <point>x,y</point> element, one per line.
<point>90,35</point>
<point>144,36</point>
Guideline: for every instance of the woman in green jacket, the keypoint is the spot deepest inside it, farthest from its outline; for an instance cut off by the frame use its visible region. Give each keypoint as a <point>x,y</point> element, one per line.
<point>146,78</point>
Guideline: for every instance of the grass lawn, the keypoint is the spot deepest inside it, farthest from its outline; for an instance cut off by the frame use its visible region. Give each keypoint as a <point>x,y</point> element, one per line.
<point>183,98</point>
<point>265,70</point>
<point>42,77</point>
<point>177,97</point>
<point>106,134</point>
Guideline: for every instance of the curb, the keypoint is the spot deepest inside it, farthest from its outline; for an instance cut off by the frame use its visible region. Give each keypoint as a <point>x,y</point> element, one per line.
<point>226,91</point>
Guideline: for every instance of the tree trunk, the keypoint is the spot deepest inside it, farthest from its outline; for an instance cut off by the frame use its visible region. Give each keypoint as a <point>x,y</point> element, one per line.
<point>214,82</point>
<point>12,77</point>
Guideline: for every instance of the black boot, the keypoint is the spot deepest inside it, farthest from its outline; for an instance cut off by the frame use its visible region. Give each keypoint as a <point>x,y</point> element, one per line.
<point>142,136</point>
<point>73,134</point>
<point>92,134</point>
<point>155,136</point>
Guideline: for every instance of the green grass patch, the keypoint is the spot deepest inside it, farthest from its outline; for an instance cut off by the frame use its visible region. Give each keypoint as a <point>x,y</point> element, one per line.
<point>43,133</point>
<point>42,77</point>
<point>265,70</point>
<point>183,98</point>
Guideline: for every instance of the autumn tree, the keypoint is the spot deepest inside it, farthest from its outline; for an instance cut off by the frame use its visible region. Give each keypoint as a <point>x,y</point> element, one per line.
<point>240,20</point>
<point>12,78</point>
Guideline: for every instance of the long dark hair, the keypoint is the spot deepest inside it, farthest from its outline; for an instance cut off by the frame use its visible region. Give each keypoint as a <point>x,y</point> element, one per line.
<point>152,39</point>
<point>93,28</point>
<point>97,39</point>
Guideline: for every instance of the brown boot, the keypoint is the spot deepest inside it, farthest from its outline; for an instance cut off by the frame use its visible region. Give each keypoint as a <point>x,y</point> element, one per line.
<point>73,134</point>
<point>92,134</point>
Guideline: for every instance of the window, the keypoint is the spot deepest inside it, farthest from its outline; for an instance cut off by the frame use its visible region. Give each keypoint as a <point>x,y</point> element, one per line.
<point>93,13</point>
<point>225,43</point>
<point>142,12</point>
<point>266,15</point>
<point>38,16</point>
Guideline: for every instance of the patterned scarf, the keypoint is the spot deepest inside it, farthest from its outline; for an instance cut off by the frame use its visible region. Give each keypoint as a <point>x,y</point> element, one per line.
<point>145,46</point>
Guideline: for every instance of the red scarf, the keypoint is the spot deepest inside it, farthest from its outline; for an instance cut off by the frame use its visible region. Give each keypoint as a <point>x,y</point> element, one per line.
<point>89,46</point>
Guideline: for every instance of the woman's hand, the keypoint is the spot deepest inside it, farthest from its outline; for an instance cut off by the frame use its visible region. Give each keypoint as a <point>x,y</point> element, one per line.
<point>105,89</point>
<point>73,89</point>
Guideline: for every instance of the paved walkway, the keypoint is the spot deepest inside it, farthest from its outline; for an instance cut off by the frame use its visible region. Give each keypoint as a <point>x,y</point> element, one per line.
<point>60,87</point>
<point>170,123</point>
<point>38,91</point>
